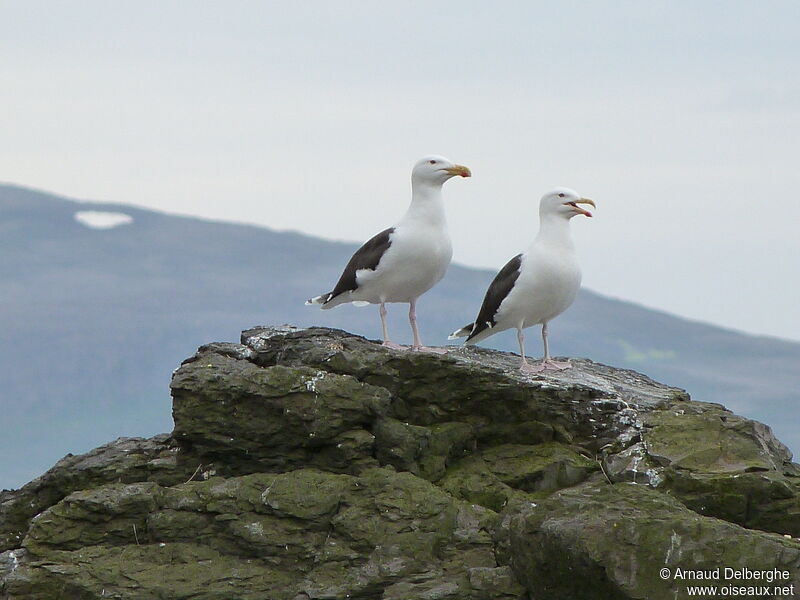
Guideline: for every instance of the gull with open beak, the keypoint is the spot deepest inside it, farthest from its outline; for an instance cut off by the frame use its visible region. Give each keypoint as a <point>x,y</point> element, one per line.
<point>538,285</point>
<point>403,262</point>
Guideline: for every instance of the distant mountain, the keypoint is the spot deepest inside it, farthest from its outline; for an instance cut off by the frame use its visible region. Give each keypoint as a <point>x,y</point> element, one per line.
<point>93,320</point>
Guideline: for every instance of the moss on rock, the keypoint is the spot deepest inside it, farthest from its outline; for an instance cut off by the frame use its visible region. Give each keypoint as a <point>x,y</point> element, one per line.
<point>313,464</point>
<point>599,541</point>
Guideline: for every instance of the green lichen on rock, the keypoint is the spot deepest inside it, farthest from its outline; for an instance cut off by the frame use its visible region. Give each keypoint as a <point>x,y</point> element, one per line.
<point>540,468</point>
<point>125,460</point>
<point>271,418</point>
<point>766,500</point>
<point>494,476</point>
<point>598,541</point>
<point>315,533</point>
<point>470,479</point>
<point>707,438</point>
<point>423,450</point>
<point>717,463</point>
<point>313,464</point>
<point>182,571</point>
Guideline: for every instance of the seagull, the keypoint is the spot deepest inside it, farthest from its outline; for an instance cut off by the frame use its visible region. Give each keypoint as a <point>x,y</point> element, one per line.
<point>403,262</point>
<point>536,286</point>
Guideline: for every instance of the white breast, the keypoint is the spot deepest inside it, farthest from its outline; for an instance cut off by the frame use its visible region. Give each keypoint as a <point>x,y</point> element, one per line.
<point>416,260</point>
<point>547,285</point>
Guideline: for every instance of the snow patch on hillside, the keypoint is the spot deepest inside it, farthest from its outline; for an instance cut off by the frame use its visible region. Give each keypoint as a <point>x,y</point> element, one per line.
<point>95,219</point>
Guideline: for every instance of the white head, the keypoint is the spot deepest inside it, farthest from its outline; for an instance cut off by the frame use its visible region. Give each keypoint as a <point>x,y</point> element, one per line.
<point>563,202</point>
<point>434,170</point>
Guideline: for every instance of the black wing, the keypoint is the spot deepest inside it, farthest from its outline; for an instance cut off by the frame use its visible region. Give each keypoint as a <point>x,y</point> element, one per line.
<point>366,257</point>
<point>497,292</point>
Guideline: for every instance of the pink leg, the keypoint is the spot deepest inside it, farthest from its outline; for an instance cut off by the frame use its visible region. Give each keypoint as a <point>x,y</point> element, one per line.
<point>412,318</point>
<point>547,362</point>
<point>521,340</point>
<point>382,311</point>
<point>544,341</point>
<point>524,365</point>
<point>386,342</point>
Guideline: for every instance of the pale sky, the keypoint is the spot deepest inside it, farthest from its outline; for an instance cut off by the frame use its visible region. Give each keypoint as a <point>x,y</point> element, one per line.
<point>680,119</point>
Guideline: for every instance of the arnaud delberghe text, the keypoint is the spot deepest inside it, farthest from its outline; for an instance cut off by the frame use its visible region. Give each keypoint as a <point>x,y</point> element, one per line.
<point>728,574</point>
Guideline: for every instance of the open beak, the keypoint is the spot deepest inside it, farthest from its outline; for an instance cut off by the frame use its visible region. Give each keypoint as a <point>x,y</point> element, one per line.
<point>580,210</point>
<point>459,170</point>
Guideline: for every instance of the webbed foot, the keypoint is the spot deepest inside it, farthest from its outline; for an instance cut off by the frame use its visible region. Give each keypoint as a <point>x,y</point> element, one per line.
<point>394,346</point>
<point>429,350</point>
<point>545,365</point>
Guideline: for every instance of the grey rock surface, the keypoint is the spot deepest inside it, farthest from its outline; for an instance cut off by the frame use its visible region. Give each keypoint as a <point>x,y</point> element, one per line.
<point>314,464</point>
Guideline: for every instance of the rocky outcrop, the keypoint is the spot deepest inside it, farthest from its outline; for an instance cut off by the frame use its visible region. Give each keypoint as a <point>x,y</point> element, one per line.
<point>313,464</point>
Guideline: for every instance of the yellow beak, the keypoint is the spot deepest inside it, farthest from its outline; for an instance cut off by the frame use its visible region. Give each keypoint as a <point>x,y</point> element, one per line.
<point>581,211</point>
<point>459,170</point>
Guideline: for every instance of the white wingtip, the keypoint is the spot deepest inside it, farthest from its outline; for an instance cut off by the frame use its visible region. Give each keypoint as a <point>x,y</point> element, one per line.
<point>459,333</point>
<point>316,300</point>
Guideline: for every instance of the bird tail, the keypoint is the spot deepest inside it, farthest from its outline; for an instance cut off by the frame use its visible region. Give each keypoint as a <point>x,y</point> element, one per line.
<point>474,333</point>
<point>321,299</point>
<point>463,332</point>
<point>328,301</point>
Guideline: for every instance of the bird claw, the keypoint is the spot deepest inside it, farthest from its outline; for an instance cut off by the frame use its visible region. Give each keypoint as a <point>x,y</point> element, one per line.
<point>394,346</point>
<point>555,365</point>
<point>426,349</point>
<point>429,350</point>
<point>545,365</point>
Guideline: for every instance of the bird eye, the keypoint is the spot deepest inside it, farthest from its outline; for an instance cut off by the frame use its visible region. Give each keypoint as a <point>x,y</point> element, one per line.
<point>433,162</point>
<point>561,195</point>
